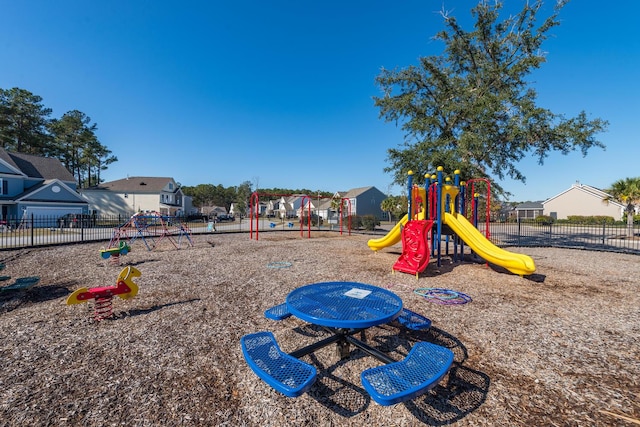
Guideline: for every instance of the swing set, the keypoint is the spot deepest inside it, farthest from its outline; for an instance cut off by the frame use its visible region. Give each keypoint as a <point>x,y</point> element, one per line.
<point>344,210</point>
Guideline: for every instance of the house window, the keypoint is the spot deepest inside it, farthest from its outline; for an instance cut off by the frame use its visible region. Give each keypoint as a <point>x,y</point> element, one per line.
<point>4,187</point>
<point>171,186</point>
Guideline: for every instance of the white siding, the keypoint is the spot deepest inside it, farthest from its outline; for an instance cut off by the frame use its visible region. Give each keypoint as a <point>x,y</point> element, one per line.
<point>576,201</point>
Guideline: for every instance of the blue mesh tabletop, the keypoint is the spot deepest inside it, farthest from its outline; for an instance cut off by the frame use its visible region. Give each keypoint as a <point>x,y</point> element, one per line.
<point>344,304</point>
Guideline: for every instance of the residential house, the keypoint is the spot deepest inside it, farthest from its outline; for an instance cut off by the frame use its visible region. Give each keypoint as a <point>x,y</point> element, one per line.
<point>358,201</point>
<point>320,206</point>
<point>138,194</point>
<point>212,211</point>
<point>37,187</point>
<point>364,201</point>
<point>286,206</point>
<point>582,200</point>
<point>271,208</point>
<point>529,210</point>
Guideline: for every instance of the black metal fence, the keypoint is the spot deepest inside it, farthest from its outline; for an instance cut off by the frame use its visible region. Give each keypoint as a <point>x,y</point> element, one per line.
<point>43,231</point>
<point>47,230</point>
<point>599,237</point>
<point>151,229</point>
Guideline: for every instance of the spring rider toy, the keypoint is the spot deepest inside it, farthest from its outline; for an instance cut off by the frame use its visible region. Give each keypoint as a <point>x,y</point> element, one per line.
<point>125,288</point>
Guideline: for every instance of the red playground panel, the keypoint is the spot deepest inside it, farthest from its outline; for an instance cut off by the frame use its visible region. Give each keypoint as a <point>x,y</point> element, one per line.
<point>415,247</point>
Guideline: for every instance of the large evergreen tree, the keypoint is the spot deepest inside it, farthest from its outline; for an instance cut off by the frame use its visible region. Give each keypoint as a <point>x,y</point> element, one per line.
<point>23,122</point>
<point>25,127</point>
<point>74,136</point>
<point>95,158</point>
<point>472,107</point>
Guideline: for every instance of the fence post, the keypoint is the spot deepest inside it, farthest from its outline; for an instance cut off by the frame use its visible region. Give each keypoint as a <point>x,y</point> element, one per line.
<point>550,232</point>
<point>31,227</point>
<point>604,231</point>
<point>518,231</point>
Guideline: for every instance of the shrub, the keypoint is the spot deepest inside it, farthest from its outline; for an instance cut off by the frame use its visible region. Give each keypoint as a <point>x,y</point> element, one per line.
<point>356,222</point>
<point>314,220</point>
<point>369,222</point>
<point>591,220</point>
<point>544,220</point>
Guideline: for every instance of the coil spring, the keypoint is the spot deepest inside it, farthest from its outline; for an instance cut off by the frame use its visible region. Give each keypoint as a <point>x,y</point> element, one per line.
<point>103,308</point>
<point>114,259</point>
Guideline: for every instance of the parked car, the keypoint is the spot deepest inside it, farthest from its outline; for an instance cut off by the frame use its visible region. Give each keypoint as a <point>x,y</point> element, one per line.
<point>76,220</point>
<point>225,217</point>
<point>197,217</point>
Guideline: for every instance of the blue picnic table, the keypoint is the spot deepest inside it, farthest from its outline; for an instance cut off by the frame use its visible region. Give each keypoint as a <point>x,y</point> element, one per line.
<point>344,309</point>
<point>344,304</point>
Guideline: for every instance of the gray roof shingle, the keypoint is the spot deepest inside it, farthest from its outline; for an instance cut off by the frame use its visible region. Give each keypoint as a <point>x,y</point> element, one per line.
<point>136,184</point>
<point>37,166</point>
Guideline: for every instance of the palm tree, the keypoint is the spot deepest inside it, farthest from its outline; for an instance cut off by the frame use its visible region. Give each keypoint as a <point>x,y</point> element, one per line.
<point>627,192</point>
<point>396,205</point>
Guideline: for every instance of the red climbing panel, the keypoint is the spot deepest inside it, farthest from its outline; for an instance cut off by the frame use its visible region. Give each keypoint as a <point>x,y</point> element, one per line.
<point>415,247</point>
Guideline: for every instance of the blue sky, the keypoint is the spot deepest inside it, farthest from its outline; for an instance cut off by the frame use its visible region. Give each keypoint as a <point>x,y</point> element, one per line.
<point>280,92</point>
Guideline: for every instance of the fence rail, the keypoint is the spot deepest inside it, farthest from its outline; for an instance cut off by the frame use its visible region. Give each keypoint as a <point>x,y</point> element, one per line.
<point>50,231</point>
<point>44,231</point>
<point>599,237</point>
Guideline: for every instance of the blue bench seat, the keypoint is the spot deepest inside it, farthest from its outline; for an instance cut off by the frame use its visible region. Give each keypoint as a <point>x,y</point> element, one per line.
<point>286,374</point>
<point>22,284</point>
<point>277,312</point>
<point>423,368</point>
<point>413,321</point>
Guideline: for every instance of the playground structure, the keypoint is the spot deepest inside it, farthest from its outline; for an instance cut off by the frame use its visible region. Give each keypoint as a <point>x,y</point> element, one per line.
<point>439,209</point>
<point>125,288</point>
<point>306,201</point>
<point>151,228</point>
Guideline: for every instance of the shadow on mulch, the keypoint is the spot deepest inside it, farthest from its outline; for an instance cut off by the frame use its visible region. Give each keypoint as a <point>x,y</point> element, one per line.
<point>10,300</point>
<point>538,278</point>
<point>15,256</point>
<point>463,391</point>
<point>336,394</point>
<point>46,293</point>
<point>138,312</point>
<point>137,263</point>
<point>123,263</point>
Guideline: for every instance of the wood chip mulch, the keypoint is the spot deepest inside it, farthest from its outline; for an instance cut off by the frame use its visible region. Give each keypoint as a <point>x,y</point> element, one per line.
<point>557,348</point>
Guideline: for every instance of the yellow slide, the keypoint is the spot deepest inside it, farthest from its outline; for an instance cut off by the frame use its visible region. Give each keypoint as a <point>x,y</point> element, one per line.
<point>516,263</point>
<point>393,236</point>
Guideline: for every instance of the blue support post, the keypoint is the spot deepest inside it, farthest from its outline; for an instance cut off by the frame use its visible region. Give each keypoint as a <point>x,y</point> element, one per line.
<point>462,209</point>
<point>447,208</point>
<point>439,214</point>
<point>456,207</point>
<point>434,218</point>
